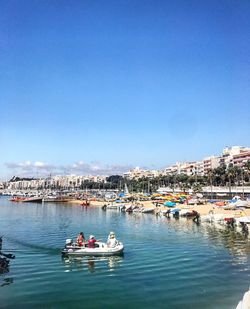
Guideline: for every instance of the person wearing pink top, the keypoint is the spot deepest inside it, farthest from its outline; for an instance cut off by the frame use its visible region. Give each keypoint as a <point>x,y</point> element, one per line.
<point>91,241</point>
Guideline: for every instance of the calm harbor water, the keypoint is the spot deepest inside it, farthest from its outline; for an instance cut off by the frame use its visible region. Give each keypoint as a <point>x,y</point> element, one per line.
<point>167,263</point>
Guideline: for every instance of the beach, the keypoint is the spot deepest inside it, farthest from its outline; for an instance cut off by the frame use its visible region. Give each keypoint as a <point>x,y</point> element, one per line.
<point>203,209</point>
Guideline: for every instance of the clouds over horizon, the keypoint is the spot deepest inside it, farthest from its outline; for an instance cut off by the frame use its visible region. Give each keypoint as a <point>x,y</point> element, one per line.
<point>40,169</point>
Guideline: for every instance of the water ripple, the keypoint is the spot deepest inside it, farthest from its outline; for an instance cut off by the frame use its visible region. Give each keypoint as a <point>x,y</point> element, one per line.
<point>166,261</point>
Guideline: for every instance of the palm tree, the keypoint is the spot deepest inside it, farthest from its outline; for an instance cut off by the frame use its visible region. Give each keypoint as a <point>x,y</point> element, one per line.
<point>246,169</point>
<point>220,174</point>
<point>231,173</point>
<point>197,187</point>
<point>210,178</point>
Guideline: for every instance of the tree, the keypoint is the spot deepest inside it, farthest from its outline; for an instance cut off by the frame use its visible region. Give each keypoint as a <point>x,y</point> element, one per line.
<point>210,179</point>
<point>231,174</point>
<point>219,175</point>
<point>197,187</point>
<point>246,170</point>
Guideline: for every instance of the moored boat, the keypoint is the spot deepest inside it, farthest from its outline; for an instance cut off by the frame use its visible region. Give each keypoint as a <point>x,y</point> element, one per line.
<point>34,199</point>
<point>57,199</point>
<point>113,206</point>
<point>245,219</point>
<point>148,210</point>
<point>17,199</point>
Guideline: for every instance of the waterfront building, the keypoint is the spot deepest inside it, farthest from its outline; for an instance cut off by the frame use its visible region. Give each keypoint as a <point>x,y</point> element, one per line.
<point>236,155</point>
<point>199,168</point>
<point>210,163</point>
<point>137,173</point>
<point>187,168</point>
<point>241,158</point>
<point>173,169</point>
<point>234,150</point>
<point>55,182</point>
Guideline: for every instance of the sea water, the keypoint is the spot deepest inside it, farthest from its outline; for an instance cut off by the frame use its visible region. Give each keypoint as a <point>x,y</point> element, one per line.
<point>166,263</point>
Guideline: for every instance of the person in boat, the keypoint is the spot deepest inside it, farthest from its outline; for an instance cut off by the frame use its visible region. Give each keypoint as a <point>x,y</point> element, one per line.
<point>80,239</point>
<point>112,241</point>
<point>91,241</point>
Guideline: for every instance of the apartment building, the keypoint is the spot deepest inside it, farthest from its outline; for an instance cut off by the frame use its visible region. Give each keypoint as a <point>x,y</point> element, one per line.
<point>241,159</point>
<point>65,182</point>
<point>210,163</point>
<point>137,173</point>
<point>187,168</point>
<point>237,155</point>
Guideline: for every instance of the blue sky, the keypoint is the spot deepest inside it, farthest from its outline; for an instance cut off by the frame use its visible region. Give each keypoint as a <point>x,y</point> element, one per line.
<point>101,86</point>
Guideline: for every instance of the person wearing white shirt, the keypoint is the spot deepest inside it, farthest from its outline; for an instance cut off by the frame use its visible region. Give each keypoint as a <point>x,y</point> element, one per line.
<point>112,241</point>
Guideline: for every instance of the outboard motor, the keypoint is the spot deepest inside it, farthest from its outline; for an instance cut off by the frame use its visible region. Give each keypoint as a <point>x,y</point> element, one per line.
<point>168,214</point>
<point>123,208</point>
<point>196,219</point>
<point>244,228</point>
<point>68,242</point>
<point>176,214</point>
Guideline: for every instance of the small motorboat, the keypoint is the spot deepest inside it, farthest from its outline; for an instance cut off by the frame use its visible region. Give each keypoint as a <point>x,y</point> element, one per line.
<point>172,211</point>
<point>113,207</point>
<point>148,210</point>
<point>35,199</point>
<point>243,219</point>
<point>17,199</point>
<point>101,249</point>
<point>137,209</point>
<point>189,214</point>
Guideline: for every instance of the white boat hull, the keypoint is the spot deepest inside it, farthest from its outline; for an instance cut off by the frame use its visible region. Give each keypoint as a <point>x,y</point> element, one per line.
<point>101,250</point>
<point>148,210</point>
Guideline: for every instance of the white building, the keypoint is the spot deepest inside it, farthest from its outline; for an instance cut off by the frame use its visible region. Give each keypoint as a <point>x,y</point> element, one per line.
<point>137,173</point>
<point>234,150</point>
<point>210,163</point>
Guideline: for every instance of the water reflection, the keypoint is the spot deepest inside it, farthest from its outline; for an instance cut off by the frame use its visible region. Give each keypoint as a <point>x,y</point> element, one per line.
<point>235,242</point>
<point>92,264</point>
<point>4,270</point>
<point>6,281</point>
<point>219,236</point>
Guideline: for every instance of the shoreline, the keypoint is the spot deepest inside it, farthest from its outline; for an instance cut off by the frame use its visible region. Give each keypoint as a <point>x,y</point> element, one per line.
<point>203,209</point>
